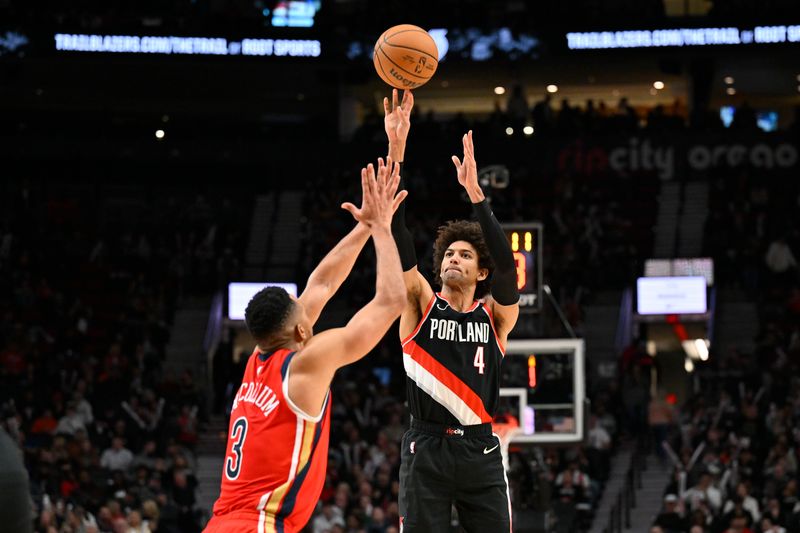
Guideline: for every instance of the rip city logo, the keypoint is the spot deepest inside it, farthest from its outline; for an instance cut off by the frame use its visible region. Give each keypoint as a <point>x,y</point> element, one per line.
<point>666,159</point>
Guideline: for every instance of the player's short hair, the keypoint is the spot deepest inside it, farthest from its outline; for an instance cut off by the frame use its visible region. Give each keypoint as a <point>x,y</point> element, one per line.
<point>267,312</point>
<point>463,230</point>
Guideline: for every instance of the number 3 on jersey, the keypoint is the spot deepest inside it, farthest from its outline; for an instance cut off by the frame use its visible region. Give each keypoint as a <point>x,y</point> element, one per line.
<point>478,363</point>
<point>233,462</point>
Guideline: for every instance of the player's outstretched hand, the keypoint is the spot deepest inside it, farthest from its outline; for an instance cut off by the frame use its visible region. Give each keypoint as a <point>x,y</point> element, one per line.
<point>379,196</point>
<point>397,118</point>
<point>466,169</point>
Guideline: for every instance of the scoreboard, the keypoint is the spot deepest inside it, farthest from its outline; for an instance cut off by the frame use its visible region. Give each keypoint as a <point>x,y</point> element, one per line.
<point>525,239</point>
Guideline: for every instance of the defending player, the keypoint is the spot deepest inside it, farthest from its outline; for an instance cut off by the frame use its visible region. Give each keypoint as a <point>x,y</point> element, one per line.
<point>16,515</point>
<point>452,349</point>
<point>277,447</point>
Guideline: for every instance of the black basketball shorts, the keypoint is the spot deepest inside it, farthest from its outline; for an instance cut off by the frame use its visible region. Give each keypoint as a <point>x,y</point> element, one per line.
<point>444,466</point>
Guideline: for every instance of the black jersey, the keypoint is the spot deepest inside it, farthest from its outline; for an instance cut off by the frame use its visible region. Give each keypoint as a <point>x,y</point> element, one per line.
<point>452,362</point>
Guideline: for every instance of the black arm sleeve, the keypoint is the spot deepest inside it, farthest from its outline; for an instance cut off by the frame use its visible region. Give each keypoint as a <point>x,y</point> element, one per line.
<point>504,279</point>
<point>402,237</point>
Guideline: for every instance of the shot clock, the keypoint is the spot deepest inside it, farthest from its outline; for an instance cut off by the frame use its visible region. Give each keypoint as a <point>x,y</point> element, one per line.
<point>525,239</point>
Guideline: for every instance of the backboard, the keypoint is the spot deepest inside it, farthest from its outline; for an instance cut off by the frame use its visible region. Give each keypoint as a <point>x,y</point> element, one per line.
<point>543,385</point>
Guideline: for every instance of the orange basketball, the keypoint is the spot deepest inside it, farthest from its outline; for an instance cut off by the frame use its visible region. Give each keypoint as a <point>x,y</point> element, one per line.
<point>406,56</point>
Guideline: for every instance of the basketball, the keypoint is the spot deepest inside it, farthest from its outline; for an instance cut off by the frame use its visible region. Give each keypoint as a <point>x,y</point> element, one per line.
<point>406,56</point>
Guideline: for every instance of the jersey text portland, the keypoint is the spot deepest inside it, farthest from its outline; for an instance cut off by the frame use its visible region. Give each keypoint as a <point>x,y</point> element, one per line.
<point>452,362</point>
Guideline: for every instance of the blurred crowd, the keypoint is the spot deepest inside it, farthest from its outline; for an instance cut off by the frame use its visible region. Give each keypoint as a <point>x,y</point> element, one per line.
<point>549,115</point>
<point>89,285</point>
<point>90,279</point>
<point>753,233</point>
<point>735,447</point>
<point>736,441</point>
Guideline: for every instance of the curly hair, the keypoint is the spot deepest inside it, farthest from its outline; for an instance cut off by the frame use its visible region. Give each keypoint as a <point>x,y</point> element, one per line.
<point>267,312</point>
<point>463,230</point>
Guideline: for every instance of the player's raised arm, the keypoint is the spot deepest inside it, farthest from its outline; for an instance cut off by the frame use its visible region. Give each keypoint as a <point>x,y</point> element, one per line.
<point>312,369</point>
<point>397,123</point>
<point>505,296</point>
<point>329,275</point>
<point>334,268</point>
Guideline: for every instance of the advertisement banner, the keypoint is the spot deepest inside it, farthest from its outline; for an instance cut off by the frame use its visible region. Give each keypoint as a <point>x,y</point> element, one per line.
<point>667,158</point>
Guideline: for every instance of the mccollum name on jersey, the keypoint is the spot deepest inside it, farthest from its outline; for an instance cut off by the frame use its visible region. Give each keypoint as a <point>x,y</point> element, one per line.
<point>451,330</point>
<point>259,395</point>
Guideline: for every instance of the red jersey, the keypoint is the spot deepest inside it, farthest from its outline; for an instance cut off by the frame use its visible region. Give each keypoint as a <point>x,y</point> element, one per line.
<point>276,454</point>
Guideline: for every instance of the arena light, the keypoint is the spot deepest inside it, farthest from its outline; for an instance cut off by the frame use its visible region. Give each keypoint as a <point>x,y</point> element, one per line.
<point>729,80</point>
<point>509,131</point>
<point>552,89</point>
<point>688,365</point>
<point>658,85</point>
<point>499,90</point>
<point>651,348</point>
<point>532,371</point>
<point>527,130</point>
<point>160,134</point>
<point>702,346</point>
<point>731,91</point>
<point>696,349</point>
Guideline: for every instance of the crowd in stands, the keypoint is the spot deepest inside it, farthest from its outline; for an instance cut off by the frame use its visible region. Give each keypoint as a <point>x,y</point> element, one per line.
<point>89,284</point>
<point>108,433</point>
<point>736,441</point>
<point>549,115</point>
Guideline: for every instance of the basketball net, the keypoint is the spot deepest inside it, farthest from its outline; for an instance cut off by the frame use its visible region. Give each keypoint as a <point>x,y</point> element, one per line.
<point>506,431</point>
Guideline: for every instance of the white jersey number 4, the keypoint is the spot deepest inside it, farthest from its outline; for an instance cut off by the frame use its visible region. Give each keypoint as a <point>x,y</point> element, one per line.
<point>478,363</point>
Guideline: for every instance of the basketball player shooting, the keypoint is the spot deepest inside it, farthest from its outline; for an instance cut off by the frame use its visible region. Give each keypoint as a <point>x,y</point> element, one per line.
<point>453,345</point>
<point>277,447</point>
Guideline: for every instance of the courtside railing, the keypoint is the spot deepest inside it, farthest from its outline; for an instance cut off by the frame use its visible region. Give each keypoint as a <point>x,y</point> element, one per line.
<point>620,517</point>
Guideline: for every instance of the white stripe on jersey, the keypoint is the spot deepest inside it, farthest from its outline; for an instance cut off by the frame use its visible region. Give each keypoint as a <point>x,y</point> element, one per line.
<point>505,478</point>
<point>439,392</point>
<point>262,503</point>
<point>298,441</point>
